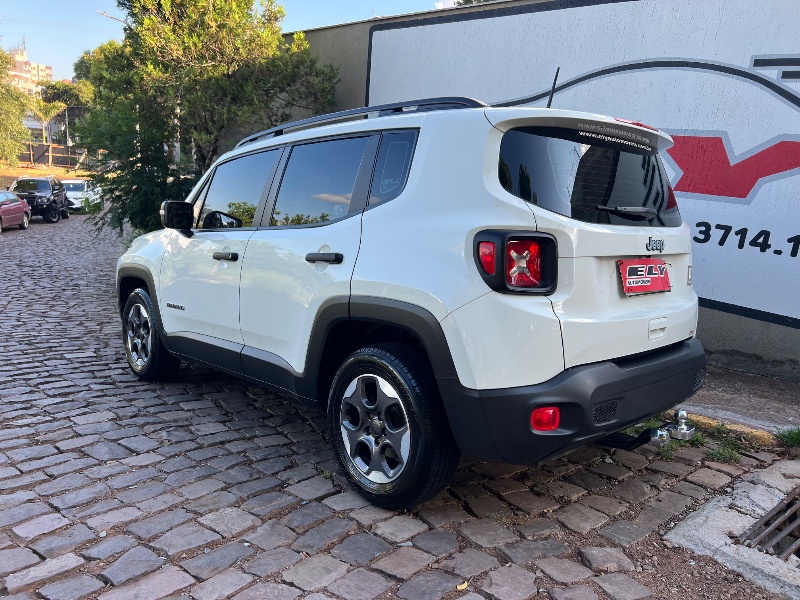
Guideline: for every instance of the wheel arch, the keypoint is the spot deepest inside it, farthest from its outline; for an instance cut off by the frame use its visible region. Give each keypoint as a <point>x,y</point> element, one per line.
<point>371,320</point>
<point>131,277</point>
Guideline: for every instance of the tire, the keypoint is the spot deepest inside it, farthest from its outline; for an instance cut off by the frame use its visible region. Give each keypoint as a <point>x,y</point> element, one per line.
<point>405,454</point>
<point>147,356</point>
<point>64,213</point>
<point>26,220</point>
<point>52,214</point>
<point>1,226</point>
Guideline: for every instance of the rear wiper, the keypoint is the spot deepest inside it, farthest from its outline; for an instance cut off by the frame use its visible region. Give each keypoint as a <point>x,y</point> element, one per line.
<point>629,211</point>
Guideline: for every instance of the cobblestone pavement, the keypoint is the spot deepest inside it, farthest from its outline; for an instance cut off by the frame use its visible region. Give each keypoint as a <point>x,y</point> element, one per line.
<point>207,486</point>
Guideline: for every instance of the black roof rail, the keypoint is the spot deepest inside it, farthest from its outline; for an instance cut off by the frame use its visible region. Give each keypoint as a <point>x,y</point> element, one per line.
<point>428,104</point>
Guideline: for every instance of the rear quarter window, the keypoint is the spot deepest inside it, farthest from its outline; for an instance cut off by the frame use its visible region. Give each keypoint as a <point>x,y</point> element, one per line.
<point>579,175</point>
<point>392,166</point>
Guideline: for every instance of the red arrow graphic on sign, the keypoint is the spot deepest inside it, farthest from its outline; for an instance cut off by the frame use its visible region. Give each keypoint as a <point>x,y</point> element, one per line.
<point>707,168</point>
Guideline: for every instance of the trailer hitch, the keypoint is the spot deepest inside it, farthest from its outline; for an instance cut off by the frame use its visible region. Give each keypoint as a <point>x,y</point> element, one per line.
<point>675,430</point>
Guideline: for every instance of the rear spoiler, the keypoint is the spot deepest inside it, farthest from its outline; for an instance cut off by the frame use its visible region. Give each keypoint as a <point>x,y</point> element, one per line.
<point>598,126</point>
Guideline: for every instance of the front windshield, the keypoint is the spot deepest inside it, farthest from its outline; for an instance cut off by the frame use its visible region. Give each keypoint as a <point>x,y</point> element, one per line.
<point>75,186</point>
<point>31,185</point>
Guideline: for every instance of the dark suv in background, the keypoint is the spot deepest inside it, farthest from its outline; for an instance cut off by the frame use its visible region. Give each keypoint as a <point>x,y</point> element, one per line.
<point>46,196</point>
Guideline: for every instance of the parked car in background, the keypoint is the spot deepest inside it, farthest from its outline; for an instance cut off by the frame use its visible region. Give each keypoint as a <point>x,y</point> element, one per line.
<point>82,193</point>
<point>13,211</point>
<point>46,197</point>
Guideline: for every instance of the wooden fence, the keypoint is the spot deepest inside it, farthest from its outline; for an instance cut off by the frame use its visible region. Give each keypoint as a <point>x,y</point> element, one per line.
<point>51,155</point>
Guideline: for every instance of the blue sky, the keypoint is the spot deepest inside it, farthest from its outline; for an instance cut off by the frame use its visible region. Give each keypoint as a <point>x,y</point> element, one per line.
<point>57,32</point>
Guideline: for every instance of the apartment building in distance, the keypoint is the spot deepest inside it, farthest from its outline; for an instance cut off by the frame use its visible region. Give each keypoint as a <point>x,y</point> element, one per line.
<point>26,75</point>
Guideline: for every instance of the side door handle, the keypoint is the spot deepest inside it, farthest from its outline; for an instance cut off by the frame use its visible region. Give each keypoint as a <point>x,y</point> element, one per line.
<point>231,256</point>
<point>328,257</point>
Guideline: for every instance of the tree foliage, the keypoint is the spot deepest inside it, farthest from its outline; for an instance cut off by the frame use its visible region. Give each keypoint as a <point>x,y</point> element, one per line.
<point>125,136</point>
<point>77,98</point>
<point>13,107</point>
<point>229,64</point>
<point>194,72</point>
<point>44,112</point>
<point>80,93</point>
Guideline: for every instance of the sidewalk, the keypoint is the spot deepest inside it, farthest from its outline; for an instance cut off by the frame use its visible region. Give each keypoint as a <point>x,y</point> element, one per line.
<point>752,400</point>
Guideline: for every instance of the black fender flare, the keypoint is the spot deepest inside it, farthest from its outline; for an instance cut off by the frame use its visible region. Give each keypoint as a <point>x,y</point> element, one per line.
<point>416,320</point>
<point>143,273</point>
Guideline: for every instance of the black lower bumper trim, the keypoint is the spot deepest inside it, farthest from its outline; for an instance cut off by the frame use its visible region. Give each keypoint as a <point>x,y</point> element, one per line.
<point>495,424</point>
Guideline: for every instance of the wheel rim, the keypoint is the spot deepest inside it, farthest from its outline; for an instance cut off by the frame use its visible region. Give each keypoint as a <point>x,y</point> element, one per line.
<point>138,336</point>
<point>374,428</point>
<point>25,221</point>
<point>54,212</point>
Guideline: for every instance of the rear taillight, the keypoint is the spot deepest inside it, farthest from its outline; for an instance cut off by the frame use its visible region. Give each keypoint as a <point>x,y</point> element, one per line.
<point>486,256</point>
<point>545,418</point>
<point>516,262</point>
<point>523,263</point>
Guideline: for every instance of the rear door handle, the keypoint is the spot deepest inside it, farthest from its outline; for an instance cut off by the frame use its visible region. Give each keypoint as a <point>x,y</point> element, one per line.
<point>231,256</point>
<point>328,257</point>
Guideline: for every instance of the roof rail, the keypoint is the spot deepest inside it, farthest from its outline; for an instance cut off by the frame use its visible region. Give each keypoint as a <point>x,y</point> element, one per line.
<point>428,104</point>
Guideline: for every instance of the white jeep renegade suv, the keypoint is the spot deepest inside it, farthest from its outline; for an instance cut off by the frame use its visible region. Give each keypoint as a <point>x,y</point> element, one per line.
<point>441,276</point>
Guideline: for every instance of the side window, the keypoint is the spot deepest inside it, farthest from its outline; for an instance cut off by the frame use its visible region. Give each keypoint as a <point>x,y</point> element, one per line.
<point>318,182</point>
<point>391,170</point>
<point>236,189</point>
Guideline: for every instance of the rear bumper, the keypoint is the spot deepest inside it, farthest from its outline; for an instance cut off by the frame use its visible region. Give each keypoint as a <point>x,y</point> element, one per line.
<point>595,400</point>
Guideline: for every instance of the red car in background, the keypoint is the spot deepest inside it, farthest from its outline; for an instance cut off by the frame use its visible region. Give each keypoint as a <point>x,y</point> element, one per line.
<point>13,211</point>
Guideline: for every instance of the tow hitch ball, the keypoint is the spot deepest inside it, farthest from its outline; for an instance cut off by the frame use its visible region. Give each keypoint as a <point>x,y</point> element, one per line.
<point>677,430</point>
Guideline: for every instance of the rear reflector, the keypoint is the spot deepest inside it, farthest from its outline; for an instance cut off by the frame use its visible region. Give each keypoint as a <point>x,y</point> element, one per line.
<point>486,256</point>
<point>545,418</point>
<point>523,263</point>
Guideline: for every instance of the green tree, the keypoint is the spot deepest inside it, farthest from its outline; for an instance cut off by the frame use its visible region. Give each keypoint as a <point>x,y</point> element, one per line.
<point>13,108</point>
<point>44,112</point>
<point>80,93</point>
<point>125,135</point>
<point>189,72</point>
<point>77,97</point>
<point>229,66</point>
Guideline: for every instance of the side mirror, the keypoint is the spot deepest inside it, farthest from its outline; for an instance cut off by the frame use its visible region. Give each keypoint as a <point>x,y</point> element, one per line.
<point>176,214</point>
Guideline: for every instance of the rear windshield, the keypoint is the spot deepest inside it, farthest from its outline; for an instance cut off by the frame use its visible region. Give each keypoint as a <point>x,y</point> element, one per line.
<point>608,181</point>
<point>79,186</point>
<point>31,185</point>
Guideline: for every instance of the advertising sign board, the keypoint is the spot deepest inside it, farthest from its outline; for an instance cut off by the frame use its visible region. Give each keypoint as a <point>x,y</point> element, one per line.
<point>721,76</point>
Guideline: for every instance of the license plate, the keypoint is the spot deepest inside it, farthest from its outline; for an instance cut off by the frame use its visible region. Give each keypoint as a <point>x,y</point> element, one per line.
<point>644,276</point>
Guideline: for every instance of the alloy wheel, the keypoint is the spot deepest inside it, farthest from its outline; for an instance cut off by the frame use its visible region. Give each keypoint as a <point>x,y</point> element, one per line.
<point>375,429</point>
<point>138,336</point>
